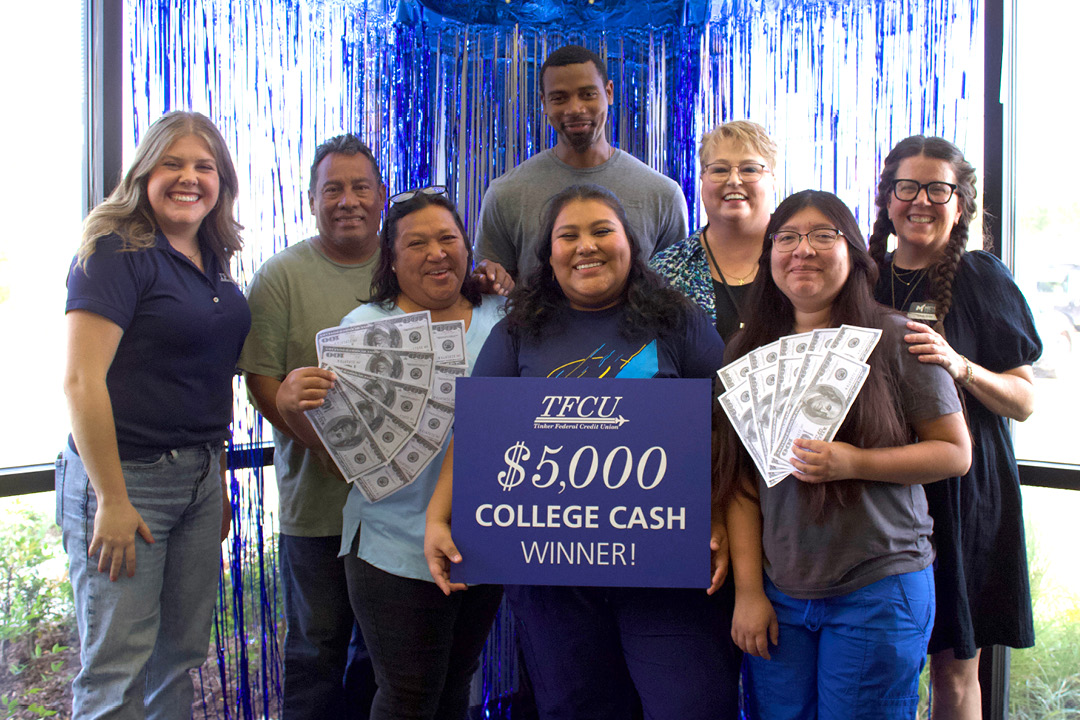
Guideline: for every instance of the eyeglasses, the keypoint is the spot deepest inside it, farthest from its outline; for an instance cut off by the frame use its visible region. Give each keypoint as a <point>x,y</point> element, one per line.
<point>937,192</point>
<point>786,241</point>
<point>410,194</point>
<point>749,172</point>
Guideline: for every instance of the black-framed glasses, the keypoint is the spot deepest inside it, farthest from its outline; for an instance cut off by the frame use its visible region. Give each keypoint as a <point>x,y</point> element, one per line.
<point>410,194</point>
<point>937,192</point>
<point>749,172</point>
<point>786,241</point>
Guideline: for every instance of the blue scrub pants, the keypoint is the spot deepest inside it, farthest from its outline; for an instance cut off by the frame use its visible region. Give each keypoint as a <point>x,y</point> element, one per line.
<point>587,648</point>
<point>852,656</point>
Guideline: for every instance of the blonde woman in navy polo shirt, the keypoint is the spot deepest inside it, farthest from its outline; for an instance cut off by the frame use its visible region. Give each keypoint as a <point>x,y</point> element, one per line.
<point>155,325</point>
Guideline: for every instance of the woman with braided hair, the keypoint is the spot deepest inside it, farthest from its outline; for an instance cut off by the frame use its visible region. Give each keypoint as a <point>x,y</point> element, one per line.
<point>967,315</point>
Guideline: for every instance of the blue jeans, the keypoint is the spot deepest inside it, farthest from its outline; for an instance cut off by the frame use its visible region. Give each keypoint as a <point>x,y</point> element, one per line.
<point>141,635</point>
<point>852,656</point>
<point>328,672</point>
<point>587,648</point>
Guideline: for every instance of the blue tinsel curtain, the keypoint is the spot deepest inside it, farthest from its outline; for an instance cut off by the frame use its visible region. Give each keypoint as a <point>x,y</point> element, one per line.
<point>836,83</point>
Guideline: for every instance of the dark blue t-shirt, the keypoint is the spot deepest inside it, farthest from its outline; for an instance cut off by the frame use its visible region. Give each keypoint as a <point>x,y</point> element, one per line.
<point>170,382</point>
<point>587,344</point>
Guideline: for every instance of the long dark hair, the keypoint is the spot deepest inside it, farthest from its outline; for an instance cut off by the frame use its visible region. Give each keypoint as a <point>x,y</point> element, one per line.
<point>384,283</point>
<point>943,272</point>
<point>875,418</point>
<point>538,302</point>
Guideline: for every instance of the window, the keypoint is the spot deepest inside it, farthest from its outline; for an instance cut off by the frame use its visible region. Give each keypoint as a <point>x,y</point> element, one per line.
<point>42,190</point>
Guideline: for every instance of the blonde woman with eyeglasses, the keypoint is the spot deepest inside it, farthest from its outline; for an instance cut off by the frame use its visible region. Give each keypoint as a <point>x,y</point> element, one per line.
<point>717,265</point>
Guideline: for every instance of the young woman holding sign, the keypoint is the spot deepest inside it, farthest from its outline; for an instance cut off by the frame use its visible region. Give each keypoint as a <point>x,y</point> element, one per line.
<point>584,646</point>
<point>834,592</point>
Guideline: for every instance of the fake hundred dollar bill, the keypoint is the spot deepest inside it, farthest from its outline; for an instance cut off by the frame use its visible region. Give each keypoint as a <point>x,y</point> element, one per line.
<point>394,393</point>
<point>411,367</point>
<point>400,332</point>
<point>345,436</point>
<point>448,341</point>
<point>404,401</point>
<point>824,405</point>
<point>770,390</point>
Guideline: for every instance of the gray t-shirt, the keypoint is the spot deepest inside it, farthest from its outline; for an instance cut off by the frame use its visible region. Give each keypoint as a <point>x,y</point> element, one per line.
<point>295,294</point>
<point>886,532</point>
<point>509,221</point>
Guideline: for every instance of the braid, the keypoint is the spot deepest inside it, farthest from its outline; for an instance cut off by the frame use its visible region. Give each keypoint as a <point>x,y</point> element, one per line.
<point>879,238</point>
<point>944,272</point>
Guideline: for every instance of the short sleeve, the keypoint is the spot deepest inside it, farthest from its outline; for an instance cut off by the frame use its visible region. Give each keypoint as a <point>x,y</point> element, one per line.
<point>264,350</point>
<point>926,390</point>
<point>676,226</point>
<point>499,356</point>
<point>703,352</point>
<point>989,302</point>
<point>493,242</point>
<point>108,284</point>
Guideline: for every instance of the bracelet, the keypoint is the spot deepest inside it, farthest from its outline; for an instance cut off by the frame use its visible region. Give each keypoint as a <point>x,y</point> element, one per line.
<point>969,377</point>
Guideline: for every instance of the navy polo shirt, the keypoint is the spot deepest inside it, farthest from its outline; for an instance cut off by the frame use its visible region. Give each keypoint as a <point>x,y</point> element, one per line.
<point>170,382</point>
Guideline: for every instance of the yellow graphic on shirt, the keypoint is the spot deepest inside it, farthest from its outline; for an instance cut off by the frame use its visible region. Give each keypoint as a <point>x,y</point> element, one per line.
<point>599,364</point>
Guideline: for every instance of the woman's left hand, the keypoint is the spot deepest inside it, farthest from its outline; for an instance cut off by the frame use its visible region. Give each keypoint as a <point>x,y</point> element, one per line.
<point>718,544</point>
<point>494,280</point>
<point>931,347</point>
<point>817,461</point>
<point>226,503</point>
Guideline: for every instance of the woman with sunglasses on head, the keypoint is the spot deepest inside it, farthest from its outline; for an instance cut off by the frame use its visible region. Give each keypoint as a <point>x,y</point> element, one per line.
<point>838,625</point>
<point>967,316</point>
<point>424,645</point>
<point>716,266</point>
<point>155,326</point>
<point>585,646</point>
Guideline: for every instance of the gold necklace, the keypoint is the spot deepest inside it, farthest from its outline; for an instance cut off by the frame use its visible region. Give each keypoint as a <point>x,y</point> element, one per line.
<point>900,275</point>
<point>916,279</point>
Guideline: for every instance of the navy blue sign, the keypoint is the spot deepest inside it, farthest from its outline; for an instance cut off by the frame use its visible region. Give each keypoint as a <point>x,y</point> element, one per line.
<point>582,482</point>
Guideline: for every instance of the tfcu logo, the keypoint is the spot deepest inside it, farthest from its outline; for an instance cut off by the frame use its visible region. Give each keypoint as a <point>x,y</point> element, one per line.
<point>568,412</point>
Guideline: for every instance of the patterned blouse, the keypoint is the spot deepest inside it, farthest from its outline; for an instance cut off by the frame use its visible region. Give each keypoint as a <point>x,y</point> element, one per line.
<point>686,267</point>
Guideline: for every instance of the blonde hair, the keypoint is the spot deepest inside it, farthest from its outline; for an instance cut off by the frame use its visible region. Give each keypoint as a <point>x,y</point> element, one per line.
<point>743,132</point>
<point>127,212</point>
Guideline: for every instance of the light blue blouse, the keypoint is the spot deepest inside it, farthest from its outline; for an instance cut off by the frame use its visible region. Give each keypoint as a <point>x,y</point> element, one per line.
<point>392,529</point>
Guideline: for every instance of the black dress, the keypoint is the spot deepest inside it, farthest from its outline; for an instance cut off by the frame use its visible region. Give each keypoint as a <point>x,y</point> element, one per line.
<point>983,592</point>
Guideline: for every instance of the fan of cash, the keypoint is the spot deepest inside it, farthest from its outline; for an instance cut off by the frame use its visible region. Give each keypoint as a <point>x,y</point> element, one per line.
<point>800,386</point>
<point>392,406</point>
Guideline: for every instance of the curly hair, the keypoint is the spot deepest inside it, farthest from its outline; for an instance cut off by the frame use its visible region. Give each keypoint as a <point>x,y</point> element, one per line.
<point>384,283</point>
<point>538,302</point>
<point>943,272</point>
<point>127,211</point>
<point>875,417</point>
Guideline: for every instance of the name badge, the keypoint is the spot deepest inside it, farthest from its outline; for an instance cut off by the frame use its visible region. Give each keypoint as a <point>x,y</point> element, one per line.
<point>923,311</point>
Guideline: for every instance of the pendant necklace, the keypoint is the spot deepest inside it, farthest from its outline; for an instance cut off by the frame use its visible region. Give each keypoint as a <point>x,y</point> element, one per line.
<point>916,279</point>
<point>723,280</point>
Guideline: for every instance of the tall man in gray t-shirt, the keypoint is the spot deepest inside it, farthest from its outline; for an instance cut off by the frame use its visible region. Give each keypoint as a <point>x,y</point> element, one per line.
<point>308,286</point>
<point>576,93</point>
